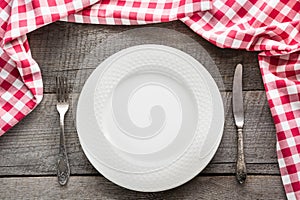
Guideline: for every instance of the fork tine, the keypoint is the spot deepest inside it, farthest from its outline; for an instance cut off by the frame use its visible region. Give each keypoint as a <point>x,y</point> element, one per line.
<point>62,90</point>
<point>66,89</point>
<point>57,88</point>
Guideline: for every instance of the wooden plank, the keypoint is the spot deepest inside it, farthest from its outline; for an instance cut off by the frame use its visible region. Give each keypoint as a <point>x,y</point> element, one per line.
<point>61,48</point>
<point>97,187</point>
<point>31,147</point>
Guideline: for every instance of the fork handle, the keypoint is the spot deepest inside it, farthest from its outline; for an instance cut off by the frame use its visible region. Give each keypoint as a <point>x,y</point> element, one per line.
<point>63,167</point>
<point>241,173</point>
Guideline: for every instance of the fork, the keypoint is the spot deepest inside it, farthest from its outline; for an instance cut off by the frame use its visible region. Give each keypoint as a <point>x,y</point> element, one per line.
<point>62,106</point>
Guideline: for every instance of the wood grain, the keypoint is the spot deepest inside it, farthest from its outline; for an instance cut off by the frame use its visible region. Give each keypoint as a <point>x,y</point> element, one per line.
<point>31,147</point>
<point>97,187</point>
<point>60,48</point>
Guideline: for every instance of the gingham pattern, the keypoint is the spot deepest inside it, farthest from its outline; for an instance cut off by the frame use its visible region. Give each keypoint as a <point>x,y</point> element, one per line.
<point>133,12</point>
<point>281,80</point>
<point>271,27</point>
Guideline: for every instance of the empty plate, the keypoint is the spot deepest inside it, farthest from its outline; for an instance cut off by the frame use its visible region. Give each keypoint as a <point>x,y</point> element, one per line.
<point>150,118</point>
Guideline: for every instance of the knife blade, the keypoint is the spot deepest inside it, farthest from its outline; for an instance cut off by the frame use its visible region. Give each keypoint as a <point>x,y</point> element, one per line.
<point>238,113</point>
<point>237,97</point>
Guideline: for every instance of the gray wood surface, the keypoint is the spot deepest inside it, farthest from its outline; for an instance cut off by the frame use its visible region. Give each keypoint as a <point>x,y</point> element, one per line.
<point>62,47</point>
<point>97,187</point>
<point>29,150</point>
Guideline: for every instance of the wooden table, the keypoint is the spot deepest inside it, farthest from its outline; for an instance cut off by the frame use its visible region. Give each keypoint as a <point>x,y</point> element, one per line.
<point>28,152</point>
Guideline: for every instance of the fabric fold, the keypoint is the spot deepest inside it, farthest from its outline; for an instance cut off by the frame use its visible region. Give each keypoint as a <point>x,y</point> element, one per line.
<point>281,81</point>
<point>135,12</point>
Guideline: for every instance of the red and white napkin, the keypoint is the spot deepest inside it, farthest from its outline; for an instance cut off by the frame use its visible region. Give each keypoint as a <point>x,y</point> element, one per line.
<point>271,27</point>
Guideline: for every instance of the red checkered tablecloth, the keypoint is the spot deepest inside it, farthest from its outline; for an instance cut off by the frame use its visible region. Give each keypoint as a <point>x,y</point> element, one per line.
<point>271,27</point>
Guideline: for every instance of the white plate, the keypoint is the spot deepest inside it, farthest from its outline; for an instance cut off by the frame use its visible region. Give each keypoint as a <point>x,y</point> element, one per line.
<point>150,118</point>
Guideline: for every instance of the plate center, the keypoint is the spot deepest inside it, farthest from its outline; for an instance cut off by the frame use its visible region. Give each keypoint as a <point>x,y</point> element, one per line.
<point>146,111</point>
<point>149,108</point>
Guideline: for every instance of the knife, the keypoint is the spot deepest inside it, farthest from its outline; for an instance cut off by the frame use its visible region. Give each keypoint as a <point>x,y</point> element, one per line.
<point>238,113</point>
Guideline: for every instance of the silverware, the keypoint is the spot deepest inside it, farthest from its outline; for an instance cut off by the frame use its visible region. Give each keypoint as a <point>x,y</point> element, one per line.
<point>63,167</point>
<point>238,113</point>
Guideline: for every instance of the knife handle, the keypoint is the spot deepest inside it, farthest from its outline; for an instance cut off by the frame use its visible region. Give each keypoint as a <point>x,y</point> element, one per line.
<point>241,173</point>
